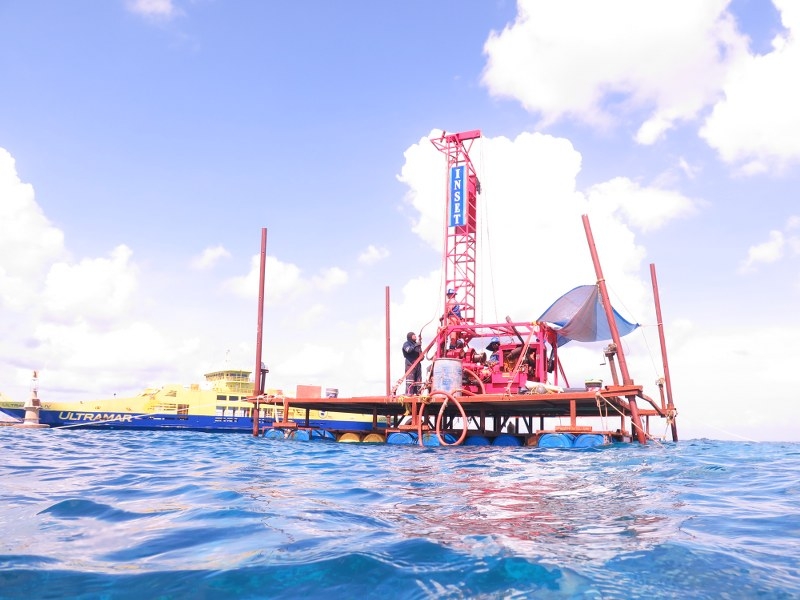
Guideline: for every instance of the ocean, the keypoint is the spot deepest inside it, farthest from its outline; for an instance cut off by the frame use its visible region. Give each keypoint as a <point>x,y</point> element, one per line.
<point>117,514</point>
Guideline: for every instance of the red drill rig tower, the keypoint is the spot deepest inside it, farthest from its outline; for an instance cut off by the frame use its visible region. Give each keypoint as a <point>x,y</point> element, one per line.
<point>460,239</point>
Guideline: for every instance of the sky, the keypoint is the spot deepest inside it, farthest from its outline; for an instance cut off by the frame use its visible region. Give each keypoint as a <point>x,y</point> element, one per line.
<point>144,144</point>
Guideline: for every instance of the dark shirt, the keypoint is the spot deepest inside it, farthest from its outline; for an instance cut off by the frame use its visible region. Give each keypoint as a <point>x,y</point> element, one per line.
<point>411,352</point>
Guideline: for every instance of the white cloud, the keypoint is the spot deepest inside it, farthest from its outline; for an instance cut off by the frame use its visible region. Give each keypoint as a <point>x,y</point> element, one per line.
<point>210,257</point>
<point>757,126</point>
<point>592,61</point>
<point>793,241</point>
<point>717,373</point>
<point>75,322</point>
<point>420,168</point>
<point>766,252</point>
<point>668,62</point>
<point>98,289</point>
<point>310,317</point>
<point>154,9</point>
<point>329,279</point>
<point>280,279</point>
<point>372,255</point>
<point>84,359</point>
<point>774,249</point>
<point>646,209</point>
<point>687,169</point>
<point>28,241</point>
<point>283,282</point>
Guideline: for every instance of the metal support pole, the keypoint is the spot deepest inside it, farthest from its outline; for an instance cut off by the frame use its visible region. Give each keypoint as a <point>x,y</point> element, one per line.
<point>667,380</point>
<point>257,379</point>
<point>388,347</point>
<point>636,422</point>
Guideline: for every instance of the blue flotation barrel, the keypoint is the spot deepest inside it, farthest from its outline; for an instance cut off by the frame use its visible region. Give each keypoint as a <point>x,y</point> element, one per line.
<point>300,435</point>
<point>589,440</point>
<point>476,440</point>
<point>431,439</point>
<point>506,439</point>
<point>274,434</point>
<point>322,435</point>
<point>556,440</point>
<point>402,438</point>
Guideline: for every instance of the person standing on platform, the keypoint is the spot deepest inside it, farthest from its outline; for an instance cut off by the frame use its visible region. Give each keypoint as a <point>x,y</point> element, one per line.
<point>452,316</point>
<point>411,352</point>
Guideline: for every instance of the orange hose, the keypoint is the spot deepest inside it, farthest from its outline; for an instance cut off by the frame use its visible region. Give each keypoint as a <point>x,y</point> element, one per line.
<point>448,397</point>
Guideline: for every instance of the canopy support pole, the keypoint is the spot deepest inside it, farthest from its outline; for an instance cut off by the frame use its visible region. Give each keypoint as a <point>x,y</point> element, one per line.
<point>636,421</point>
<point>667,381</point>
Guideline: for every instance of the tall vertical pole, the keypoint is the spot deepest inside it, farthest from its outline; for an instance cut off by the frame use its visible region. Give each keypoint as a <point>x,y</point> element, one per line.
<point>388,347</point>
<point>636,421</point>
<point>667,379</point>
<point>257,391</point>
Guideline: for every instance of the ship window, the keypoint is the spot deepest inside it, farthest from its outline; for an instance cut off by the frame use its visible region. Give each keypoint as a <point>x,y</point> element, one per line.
<point>220,411</point>
<point>233,398</point>
<point>220,397</point>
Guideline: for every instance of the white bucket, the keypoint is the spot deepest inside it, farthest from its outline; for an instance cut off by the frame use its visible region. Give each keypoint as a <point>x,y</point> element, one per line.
<point>447,374</point>
<point>593,385</point>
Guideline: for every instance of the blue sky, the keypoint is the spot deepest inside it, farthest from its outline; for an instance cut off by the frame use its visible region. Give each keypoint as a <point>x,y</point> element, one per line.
<point>144,144</point>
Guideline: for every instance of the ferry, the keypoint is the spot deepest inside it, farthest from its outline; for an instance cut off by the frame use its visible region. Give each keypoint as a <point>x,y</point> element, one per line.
<point>505,384</point>
<point>217,405</point>
<point>7,403</point>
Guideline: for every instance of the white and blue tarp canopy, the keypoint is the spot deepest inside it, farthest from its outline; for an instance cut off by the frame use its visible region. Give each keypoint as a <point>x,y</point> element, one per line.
<point>579,315</point>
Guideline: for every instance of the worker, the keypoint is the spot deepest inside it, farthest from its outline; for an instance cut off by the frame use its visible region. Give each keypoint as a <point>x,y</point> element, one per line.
<point>452,316</point>
<point>412,349</point>
<point>493,348</point>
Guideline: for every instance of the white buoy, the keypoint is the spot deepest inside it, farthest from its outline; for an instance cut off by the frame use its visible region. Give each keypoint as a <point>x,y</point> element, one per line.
<point>32,407</point>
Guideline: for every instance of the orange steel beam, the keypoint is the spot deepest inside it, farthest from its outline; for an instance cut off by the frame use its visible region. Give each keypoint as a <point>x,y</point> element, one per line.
<point>623,365</point>
<point>259,334</point>
<point>388,346</point>
<point>667,379</point>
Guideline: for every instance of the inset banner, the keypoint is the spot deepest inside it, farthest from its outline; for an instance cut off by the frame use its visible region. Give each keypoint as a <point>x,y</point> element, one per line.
<point>457,214</point>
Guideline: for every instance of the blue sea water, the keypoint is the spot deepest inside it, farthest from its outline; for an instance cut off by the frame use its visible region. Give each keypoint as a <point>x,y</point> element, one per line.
<point>91,514</point>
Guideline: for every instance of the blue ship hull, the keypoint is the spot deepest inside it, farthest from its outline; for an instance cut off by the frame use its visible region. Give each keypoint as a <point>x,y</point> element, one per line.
<point>208,423</point>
